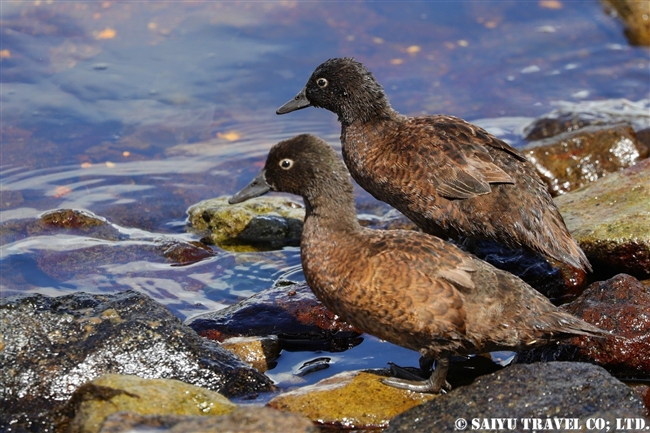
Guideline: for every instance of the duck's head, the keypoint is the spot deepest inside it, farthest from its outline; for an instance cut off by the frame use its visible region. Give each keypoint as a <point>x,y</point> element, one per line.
<point>342,86</point>
<point>304,165</point>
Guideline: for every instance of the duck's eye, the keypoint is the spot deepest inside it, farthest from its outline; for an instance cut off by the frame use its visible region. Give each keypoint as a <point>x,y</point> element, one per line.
<point>286,164</point>
<point>322,83</point>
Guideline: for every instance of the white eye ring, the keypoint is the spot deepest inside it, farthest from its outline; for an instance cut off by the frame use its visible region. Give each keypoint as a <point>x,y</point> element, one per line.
<point>322,83</point>
<point>286,164</point>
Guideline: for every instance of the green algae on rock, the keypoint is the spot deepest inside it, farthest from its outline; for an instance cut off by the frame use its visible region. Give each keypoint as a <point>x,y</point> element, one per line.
<point>97,399</point>
<point>609,219</point>
<point>274,221</point>
<point>351,400</point>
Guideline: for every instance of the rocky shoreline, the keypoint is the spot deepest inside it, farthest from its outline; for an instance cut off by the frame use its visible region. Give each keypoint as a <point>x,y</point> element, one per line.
<point>112,363</point>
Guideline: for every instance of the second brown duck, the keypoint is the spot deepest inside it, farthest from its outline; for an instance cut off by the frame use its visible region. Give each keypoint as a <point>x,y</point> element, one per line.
<point>406,287</point>
<point>452,178</point>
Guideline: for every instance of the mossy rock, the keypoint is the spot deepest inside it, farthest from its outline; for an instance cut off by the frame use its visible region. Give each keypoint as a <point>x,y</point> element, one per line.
<point>609,219</point>
<point>262,222</point>
<point>94,401</point>
<point>352,400</point>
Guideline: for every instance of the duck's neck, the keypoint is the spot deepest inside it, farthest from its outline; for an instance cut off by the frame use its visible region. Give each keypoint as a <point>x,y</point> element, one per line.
<point>370,106</point>
<point>332,210</point>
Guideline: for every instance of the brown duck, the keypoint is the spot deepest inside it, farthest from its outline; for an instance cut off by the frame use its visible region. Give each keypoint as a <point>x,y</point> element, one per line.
<point>452,178</point>
<point>406,287</point>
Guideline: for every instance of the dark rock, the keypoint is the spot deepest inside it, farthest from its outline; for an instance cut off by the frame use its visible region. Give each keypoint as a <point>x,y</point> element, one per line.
<point>288,310</point>
<point>546,391</point>
<point>574,159</point>
<point>643,391</point>
<point>245,419</point>
<point>557,281</point>
<point>635,15</point>
<point>621,305</point>
<point>609,219</point>
<point>643,137</point>
<point>51,346</point>
<point>558,122</point>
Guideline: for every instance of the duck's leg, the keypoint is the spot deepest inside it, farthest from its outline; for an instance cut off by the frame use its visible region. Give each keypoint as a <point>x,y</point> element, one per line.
<point>402,373</point>
<point>434,384</point>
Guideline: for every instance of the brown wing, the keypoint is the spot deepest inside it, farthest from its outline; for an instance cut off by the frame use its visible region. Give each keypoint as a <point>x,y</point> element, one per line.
<point>465,167</point>
<point>416,280</point>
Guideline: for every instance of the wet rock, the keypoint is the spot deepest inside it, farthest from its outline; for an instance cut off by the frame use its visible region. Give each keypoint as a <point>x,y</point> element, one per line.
<point>94,401</point>
<point>558,122</point>
<point>574,159</point>
<point>243,420</point>
<point>52,345</point>
<point>609,219</point>
<point>274,221</point>
<point>620,305</point>
<point>259,352</point>
<point>184,253</point>
<point>643,391</point>
<point>545,390</point>
<point>288,310</point>
<point>351,400</point>
<point>557,281</point>
<point>74,221</point>
<point>636,17</point>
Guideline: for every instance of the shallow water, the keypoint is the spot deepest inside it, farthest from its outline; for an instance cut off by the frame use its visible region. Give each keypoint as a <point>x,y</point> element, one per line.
<point>135,111</point>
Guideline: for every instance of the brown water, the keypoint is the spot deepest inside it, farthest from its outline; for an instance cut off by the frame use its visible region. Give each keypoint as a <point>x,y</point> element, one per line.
<point>137,110</point>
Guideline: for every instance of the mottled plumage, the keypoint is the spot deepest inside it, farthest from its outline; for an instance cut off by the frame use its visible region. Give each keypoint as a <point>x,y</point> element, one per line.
<point>452,178</point>
<point>406,287</point>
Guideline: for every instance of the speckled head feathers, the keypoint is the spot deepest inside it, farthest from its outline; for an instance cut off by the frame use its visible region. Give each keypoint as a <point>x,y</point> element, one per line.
<point>345,87</point>
<point>304,165</point>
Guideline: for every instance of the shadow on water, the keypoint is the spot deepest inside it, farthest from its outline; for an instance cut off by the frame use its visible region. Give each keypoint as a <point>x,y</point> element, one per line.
<point>136,111</point>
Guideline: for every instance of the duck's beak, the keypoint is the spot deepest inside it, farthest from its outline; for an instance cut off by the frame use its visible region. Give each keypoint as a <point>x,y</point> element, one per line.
<point>256,188</point>
<point>299,101</point>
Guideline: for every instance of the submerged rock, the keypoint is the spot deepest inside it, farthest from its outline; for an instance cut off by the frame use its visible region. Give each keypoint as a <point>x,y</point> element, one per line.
<point>53,345</point>
<point>609,219</point>
<point>245,419</point>
<point>621,305</point>
<point>74,221</point>
<point>350,400</point>
<point>274,221</point>
<point>94,401</point>
<point>574,159</point>
<point>288,310</point>
<point>522,392</point>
